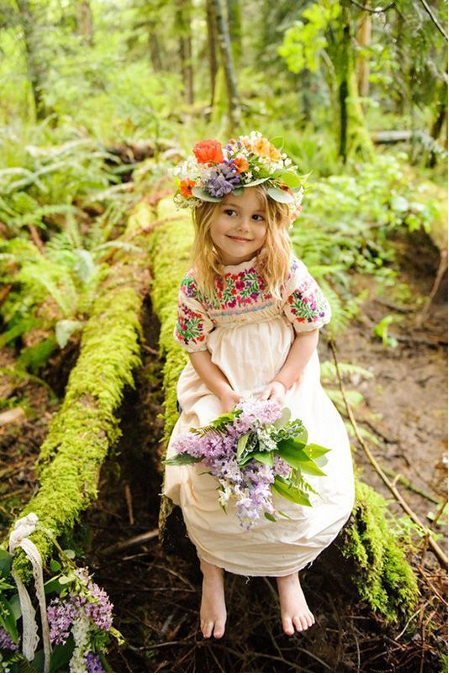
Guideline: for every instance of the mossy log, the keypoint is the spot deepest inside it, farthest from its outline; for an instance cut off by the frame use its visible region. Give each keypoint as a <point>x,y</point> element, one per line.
<point>86,425</point>
<point>372,556</point>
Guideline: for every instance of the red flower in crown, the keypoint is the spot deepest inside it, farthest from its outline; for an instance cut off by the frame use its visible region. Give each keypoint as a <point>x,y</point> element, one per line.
<point>208,151</point>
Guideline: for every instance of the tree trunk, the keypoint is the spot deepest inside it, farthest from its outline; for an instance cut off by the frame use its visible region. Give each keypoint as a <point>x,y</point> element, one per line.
<point>441,118</point>
<point>363,39</point>
<point>235,28</point>
<point>155,52</point>
<point>85,21</point>
<point>35,67</point>
<point>354,136</point>
<point>212,48</point>
<point>183,25</point>
<point>234,113</point>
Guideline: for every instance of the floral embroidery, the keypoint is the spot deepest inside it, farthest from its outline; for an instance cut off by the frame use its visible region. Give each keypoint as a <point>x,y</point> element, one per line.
<point>189,287</point>
<point>308,304</point>
<point>241,296</point>
<point>189,326</point>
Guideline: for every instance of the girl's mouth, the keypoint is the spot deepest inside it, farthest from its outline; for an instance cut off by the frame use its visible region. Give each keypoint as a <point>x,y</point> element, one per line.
<point>237,238</point>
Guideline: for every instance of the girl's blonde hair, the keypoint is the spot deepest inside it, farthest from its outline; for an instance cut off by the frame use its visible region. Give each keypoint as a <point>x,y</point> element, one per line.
<point>273,260</point>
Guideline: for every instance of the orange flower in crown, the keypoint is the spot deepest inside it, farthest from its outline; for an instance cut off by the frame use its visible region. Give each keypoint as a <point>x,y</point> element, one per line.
<point>208,151</point>
<point>215,170</point>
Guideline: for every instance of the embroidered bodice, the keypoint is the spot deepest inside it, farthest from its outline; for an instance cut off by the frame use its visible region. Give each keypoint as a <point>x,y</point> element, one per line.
<point>243,297</point>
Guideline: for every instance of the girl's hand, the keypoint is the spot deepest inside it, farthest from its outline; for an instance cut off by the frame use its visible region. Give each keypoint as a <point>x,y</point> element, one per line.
<point>228,400</point>
<point>274,391</point>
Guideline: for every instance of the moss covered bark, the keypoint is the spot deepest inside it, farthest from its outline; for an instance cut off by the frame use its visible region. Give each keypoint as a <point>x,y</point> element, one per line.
<point>376,562</point>
<point>86,425</point>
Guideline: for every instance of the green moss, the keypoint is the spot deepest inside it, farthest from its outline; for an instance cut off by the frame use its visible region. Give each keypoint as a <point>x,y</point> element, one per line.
<point>382,575</point>
<point>86,425</point>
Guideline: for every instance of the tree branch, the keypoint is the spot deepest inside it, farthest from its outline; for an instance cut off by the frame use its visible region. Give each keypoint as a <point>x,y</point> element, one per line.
<point>370,9</point>
<point>433,18</point>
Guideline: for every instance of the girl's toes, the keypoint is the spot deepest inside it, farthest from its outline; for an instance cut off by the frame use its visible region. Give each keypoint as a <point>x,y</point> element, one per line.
<point>287,625</point>
<point>297,623</point>
<point>219,629</point>
<point>310,619</point>
<point>304,622</point>
<point>207,630</point>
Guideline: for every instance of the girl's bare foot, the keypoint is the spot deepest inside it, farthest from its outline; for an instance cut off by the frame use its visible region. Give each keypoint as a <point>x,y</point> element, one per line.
<point>295,613</point>
<point>213,608</point>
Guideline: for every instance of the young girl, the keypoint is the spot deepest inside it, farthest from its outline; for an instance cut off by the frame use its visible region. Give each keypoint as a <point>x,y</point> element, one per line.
<point>249,315</point>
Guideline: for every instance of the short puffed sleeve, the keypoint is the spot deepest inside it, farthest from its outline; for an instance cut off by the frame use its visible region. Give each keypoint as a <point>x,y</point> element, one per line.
<point>304,303</point>
<point>193,324</point>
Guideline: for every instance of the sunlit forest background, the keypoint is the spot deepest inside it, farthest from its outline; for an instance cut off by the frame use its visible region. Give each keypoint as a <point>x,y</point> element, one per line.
<point>98,100</point>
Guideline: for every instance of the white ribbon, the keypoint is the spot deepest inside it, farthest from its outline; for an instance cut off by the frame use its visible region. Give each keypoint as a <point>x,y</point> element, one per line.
<point>19,538</point>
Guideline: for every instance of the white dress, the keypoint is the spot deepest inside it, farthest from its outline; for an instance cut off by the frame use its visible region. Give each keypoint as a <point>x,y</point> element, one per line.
<point>249,336</point>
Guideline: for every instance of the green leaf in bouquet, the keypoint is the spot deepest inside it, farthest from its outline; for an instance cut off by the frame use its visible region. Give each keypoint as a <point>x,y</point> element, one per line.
<point>181,459</point>
<point>14,601</point>
<point>5,561</point>
<point>293,453</point>
<point>298,480</point>
<point>285,515</point>
<point>7,619</point>
<point>54,585</point>
<point>282,421</point>
<point>61,656</point>
<point>264,457</point>
<point>302,436</point>
<point>268,516</point>
<point>290,492</point>
<point>55,566</point>
<point>314,451</point>
<point>241,445</point>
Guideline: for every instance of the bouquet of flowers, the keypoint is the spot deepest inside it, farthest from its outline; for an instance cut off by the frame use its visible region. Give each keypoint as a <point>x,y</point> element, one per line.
<point>252,451</point>
<point>79,618</point>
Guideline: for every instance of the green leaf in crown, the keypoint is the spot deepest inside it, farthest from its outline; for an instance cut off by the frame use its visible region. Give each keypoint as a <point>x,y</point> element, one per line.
<point>205,196</point>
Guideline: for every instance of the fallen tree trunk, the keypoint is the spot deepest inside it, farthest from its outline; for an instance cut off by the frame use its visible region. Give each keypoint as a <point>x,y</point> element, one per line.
<point>368,549</point>
<point>86,426</point>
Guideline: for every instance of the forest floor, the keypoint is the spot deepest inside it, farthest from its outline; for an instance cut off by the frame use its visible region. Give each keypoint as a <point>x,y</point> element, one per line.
<point>157,594</point>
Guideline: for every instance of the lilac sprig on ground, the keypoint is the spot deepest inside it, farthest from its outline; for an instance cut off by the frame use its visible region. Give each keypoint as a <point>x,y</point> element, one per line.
<point>6,642</point>
<point>86,610</point>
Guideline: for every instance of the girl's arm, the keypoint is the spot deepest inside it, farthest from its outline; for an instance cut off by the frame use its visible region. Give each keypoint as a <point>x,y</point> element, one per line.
<point>300,352</point>
<point>210,373</point>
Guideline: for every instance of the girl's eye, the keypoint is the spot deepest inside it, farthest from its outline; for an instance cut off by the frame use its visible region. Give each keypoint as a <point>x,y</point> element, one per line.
<point>258,216</point>
<point>233,211</point>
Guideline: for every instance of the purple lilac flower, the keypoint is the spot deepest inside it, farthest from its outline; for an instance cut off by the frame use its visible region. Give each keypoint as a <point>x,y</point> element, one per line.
<point>6,641</point>
<point>223,179</point>
<point>61,616</point>
<point>93,663</point>
<point>100,608</point>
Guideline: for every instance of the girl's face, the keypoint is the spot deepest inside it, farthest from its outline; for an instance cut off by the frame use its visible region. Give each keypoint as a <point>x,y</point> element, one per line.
<point>239,227</point>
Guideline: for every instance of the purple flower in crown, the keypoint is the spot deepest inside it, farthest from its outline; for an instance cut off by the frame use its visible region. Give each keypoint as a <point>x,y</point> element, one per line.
<point>223,180</point>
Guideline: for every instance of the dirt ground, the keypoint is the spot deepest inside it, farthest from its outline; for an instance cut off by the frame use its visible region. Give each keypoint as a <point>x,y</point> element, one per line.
<point>157,594</point>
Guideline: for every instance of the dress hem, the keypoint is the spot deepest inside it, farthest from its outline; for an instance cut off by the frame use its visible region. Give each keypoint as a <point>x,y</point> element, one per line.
<point>261,574</point>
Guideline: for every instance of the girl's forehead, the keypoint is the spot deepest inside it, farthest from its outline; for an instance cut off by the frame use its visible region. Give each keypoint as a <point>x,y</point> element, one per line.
<point>250,199</point>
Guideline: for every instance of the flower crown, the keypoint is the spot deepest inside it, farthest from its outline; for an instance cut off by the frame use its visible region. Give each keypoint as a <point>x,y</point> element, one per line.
<point>214,171</point>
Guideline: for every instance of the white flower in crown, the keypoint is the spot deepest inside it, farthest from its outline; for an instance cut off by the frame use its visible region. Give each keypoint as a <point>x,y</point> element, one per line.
<point>215,170</point>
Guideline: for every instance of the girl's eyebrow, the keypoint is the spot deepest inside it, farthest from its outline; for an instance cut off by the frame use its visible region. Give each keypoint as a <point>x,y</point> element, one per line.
<point>236,205</point>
